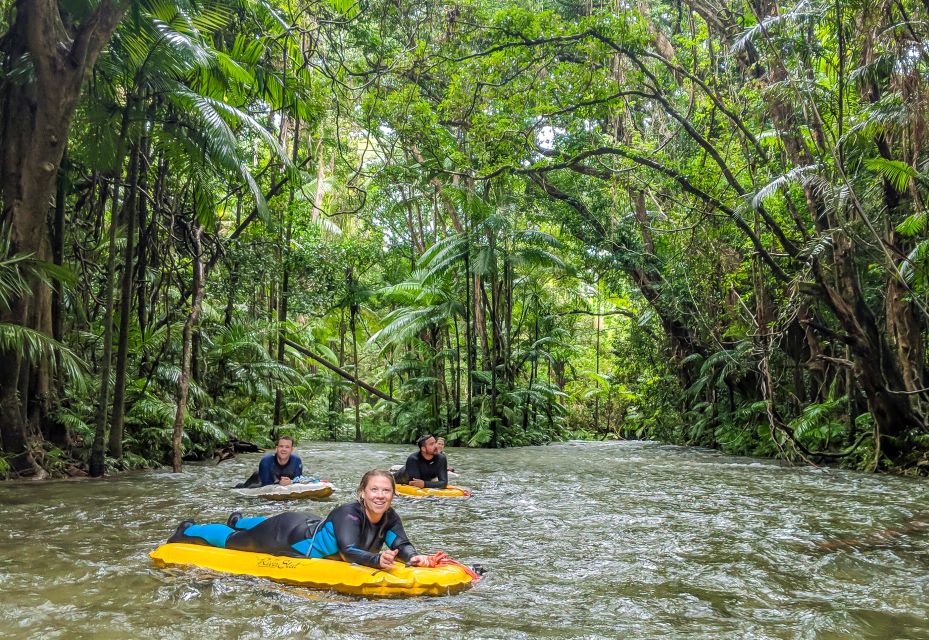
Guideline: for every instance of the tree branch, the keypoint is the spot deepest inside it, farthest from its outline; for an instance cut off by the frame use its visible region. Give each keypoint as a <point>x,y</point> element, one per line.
<point>342,372</point>
<point>680,178</point>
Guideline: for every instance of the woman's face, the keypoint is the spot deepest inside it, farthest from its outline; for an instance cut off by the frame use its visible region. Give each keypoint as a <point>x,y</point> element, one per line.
<point>377,495</point>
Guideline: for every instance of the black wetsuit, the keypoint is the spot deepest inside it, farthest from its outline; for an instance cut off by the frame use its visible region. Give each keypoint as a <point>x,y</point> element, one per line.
<point>276,534</point>
<point>346,534</point>
<point>434,473</point>
<point>270,471</point>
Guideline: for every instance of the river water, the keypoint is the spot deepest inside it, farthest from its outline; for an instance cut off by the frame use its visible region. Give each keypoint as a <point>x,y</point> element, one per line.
<point>580,540</point>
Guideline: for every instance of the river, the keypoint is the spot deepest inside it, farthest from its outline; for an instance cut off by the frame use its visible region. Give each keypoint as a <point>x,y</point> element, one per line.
<point>580,540</point>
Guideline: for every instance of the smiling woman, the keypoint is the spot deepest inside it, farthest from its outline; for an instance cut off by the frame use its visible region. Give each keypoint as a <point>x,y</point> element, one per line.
<point>353,532</point>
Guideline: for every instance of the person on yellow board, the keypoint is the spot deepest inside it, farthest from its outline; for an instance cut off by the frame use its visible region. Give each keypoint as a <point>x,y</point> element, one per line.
<point>354,532</point>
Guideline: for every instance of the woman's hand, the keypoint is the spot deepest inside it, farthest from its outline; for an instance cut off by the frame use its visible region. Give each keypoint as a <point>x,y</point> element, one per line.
<point>421,561</point>
<point>387,559</point>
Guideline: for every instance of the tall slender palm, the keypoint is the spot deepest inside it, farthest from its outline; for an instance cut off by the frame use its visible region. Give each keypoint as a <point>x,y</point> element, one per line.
<point>192,98</point>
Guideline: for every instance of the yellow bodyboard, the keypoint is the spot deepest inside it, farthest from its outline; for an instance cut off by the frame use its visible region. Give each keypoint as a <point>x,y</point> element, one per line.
<point>318,573</point>
<point>416,492</point>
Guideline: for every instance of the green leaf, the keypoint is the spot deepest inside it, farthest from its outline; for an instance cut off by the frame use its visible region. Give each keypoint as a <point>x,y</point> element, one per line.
<point>896,172</point>
<point>913,224</point>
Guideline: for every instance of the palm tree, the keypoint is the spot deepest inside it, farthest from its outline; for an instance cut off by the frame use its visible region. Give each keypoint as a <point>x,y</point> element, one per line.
<point>189,98</point>
<point>36,348</point>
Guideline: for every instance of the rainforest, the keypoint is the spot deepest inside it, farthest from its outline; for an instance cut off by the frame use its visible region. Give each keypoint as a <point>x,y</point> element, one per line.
<point>508,223</point>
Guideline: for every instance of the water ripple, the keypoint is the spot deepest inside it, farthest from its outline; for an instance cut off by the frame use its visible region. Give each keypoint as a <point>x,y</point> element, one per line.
<point>581,540</point>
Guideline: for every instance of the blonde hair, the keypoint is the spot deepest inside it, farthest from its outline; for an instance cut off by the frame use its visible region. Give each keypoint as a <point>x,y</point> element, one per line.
<point>374,473</point>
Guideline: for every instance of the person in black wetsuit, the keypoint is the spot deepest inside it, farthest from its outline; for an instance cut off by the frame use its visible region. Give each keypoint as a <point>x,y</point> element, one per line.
<point>353,532</point>
<point>280,467</point>
<point>427,468</point>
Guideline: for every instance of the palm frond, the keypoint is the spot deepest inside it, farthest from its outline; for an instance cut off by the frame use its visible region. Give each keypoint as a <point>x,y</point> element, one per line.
<point>35,346</point>
<point>799,14</point>
<point>896,172</point>
<point>797,174</point>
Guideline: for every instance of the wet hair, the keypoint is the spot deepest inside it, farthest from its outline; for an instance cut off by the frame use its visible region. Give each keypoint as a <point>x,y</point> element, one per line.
<point>374,473</point>
<point>285,438</point>
<point>422,439</point>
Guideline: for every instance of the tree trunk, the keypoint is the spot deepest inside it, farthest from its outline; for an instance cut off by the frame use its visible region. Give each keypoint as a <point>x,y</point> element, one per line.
<point>183,383</point>
<point>355,371</point>
<point>455,422</point>
<point>597,320</point>
<point>876,364</point>
<point>469,336</point>
<point>97,452</point>
<point>56,432</point>
<point>282,318</point>
<point>125,306</point>
<point>285,283</point>
<point>35,117</point>
<point>97,462</point>
<point>480,323</point>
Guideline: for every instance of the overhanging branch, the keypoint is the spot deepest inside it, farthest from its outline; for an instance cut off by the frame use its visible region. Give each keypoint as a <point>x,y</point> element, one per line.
<point>342,372</point>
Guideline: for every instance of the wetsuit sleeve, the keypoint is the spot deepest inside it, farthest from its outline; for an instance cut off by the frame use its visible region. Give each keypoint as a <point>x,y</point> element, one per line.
<point>412,468</point>
<point>441,474</point>
<point>265,471</point>
<point>298,470</point>
<point>396,539</point>
<point>347,528</point>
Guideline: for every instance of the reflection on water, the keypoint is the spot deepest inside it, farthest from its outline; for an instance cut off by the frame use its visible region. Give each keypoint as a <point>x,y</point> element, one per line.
<point>592,540</point>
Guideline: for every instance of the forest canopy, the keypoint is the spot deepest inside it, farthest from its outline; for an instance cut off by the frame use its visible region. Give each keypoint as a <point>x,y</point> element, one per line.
<point>505,222</point>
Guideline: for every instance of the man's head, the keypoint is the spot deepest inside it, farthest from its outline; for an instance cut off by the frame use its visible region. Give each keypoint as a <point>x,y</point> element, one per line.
<point>427,446</point>
<point>285,446</point>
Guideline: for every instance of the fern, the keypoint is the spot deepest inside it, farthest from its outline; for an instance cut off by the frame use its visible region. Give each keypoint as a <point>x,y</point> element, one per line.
<point>818,424</point>
<point>896,172</point>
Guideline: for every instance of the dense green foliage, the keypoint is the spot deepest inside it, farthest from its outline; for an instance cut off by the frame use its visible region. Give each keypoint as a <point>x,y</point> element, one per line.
<point>522,221</point>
